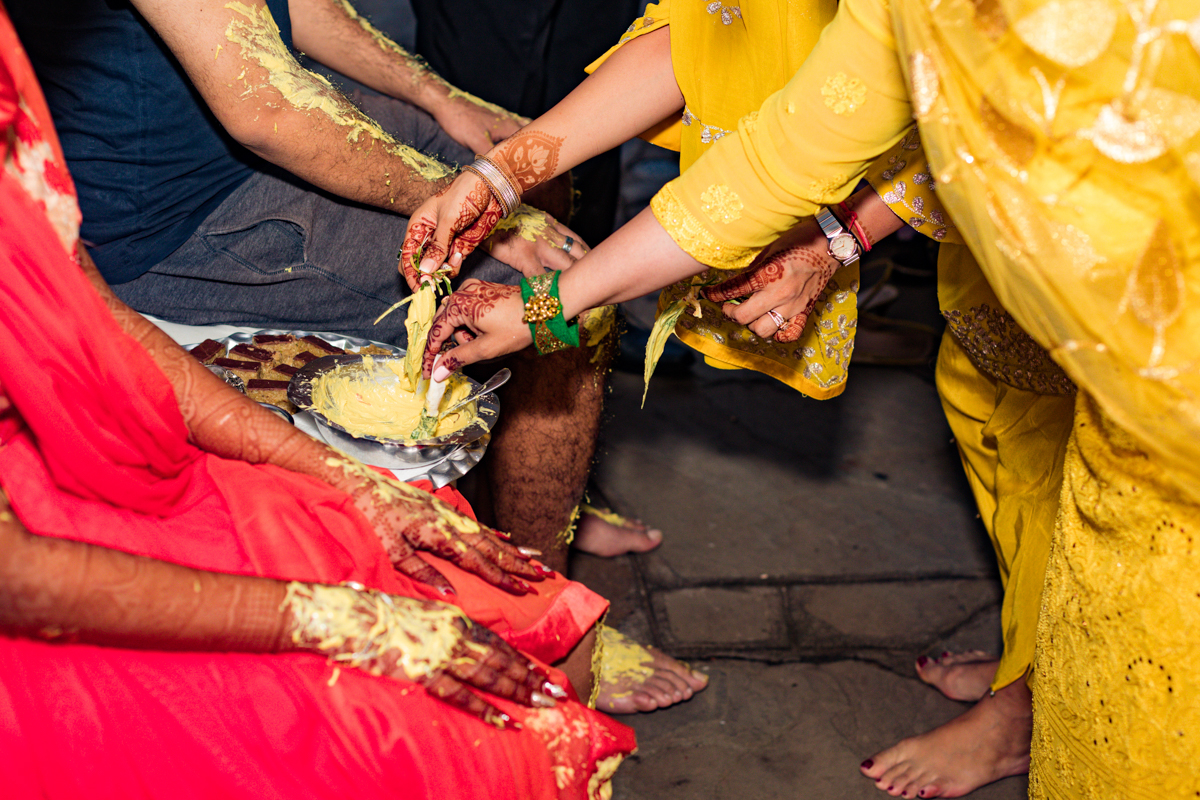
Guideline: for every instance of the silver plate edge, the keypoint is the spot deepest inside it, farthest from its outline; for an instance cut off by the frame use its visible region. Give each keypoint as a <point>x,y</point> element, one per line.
<point>454,466</point>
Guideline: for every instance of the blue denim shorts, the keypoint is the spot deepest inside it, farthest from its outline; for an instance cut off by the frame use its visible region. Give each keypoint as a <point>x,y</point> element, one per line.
<point>280,253</point>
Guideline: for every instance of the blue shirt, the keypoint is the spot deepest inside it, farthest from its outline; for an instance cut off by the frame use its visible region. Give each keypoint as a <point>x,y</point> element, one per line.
<point>150,161</point>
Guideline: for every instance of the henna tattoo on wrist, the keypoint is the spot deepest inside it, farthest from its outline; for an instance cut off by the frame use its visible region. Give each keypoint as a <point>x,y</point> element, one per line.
<point>531,157</point>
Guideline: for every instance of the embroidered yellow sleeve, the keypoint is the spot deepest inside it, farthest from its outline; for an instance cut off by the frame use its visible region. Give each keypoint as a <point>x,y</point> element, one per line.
<point>692,235</point>
<point>669,132</point>
<point>902,178</point>
<point>807,146</point>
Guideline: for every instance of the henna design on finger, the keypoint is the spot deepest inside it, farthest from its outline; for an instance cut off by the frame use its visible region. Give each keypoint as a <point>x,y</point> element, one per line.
<point>476,299</point>
<point>791,331</point>
<point>415,238</point>
<point>531,157</point>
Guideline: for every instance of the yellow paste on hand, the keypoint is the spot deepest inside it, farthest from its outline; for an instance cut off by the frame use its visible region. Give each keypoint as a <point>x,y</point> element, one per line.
<point>377,399</point>
<point>526,221</point>
<point>371,629</point>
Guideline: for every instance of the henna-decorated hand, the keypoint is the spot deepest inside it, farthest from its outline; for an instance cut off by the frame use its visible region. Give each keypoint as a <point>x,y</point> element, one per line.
<point>452,223</point>
<point>431,643</point>
<point>447,227</point>
<point>475,123</point>
<point>533,242</point>
<point>407,520</point>
<point>485,318</point>
<point>787,281</point>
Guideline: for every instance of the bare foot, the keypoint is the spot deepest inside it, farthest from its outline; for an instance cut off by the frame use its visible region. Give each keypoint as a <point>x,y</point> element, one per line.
<point>603,533</point>
<point>989,742</point>
<point>636,678</point>
<point>960,676</point>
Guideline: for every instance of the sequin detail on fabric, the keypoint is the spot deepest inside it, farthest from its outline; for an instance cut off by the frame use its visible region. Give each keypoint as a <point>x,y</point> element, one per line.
<point>916,203</point>
<point>727,13</point>
<point>998,346</point>
<point>708,133</point>
<point>924,79</point>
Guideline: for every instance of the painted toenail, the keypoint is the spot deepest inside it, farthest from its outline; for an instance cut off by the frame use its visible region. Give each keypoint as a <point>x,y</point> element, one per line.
<point>945,653</point>
<point>868,763</point>
<point>922,661</point>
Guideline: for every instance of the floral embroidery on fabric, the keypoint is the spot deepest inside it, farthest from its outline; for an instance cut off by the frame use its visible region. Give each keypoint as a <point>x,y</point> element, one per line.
<point>823,352</point>
<point>843,94</point>
<point>1001,349</point>
<point>31,161</point>
<point>721,204</point>
<point>749,122</point>
<point>708,133</point>
<point>918,215</point>
<point>693,236</point>
<point>727,12</point>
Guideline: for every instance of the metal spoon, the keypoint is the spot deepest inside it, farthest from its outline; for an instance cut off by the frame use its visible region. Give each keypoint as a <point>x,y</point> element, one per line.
<point>493,383</point>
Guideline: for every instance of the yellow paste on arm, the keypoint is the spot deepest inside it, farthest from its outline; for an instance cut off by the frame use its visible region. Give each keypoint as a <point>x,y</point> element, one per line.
<point>377,399</point>
<point>254,30</point>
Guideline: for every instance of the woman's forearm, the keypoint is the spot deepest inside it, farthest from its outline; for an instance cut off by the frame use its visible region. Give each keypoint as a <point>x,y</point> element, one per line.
<point>57,589</point>
<point>639,258</point>
<point>221,420</point>
<point>631,92</point>
<point>875,218</point>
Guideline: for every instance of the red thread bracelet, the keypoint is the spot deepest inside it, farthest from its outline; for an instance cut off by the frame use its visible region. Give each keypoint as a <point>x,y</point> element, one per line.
<point>855,229</point>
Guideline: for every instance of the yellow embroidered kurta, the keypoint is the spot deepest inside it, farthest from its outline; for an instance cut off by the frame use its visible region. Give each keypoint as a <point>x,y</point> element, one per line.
<point>1008,404</point>
<point>727,59</point>
<point>1062,134</point>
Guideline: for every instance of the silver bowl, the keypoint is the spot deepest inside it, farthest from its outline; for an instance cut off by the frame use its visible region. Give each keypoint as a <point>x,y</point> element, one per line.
<point>389,453</point>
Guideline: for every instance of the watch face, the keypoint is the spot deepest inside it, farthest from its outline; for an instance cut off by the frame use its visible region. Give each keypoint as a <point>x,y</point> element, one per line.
<point>842,246</point>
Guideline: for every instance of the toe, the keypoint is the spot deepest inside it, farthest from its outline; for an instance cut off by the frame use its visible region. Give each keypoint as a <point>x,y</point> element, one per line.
<point>646,701</point>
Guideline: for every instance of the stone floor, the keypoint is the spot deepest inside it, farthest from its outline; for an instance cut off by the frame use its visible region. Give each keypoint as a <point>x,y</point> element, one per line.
<point>812,551</point>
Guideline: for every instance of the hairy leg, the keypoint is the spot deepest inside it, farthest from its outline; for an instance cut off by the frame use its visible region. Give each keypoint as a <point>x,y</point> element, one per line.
<point>538,463</point>
<point>987,743</point>
<point>960,676</point>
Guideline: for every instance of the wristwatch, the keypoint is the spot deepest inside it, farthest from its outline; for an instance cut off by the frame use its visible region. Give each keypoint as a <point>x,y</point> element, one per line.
<point>842,245</point>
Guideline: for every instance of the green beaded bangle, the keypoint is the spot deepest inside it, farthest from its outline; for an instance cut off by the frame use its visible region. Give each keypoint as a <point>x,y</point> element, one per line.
<point>544,314</point>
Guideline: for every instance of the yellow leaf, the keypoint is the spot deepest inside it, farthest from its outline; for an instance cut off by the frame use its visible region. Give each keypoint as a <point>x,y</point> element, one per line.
<point>664,326</point>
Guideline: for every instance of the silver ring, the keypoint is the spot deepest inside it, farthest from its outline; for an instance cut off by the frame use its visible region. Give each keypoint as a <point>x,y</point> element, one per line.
<point>568,244</point>
<point>777,318</point>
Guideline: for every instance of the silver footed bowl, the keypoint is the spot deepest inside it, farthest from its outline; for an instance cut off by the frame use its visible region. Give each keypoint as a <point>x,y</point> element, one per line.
<point>390,453</point>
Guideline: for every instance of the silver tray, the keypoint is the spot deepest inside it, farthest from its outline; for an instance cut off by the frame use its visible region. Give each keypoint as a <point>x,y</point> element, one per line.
<point>440,469</point>
<point>397,453</point>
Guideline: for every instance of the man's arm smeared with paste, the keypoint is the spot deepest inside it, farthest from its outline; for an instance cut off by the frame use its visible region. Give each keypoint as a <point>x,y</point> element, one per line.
<point>334,34</point>
<point>233,53</point>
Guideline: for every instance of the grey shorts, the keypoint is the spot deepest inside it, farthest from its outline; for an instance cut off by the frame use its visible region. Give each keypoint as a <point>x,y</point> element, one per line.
<point>279,253</point>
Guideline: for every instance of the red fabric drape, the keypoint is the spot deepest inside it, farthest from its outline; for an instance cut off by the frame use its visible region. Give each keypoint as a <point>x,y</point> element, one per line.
<point>93,448</point>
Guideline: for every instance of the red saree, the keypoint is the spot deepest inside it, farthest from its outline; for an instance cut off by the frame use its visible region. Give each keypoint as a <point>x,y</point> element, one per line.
<point>93,448</point>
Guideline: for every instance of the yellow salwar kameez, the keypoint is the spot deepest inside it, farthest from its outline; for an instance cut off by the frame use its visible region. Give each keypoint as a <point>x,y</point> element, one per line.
<point>1062,136</point>
<point>1008,404</point>
<point>728,58</point>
